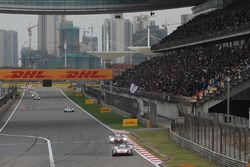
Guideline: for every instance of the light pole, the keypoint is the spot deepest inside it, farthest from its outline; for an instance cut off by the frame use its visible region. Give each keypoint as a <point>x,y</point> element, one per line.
<point>228,97</point>
<point>65,52</point>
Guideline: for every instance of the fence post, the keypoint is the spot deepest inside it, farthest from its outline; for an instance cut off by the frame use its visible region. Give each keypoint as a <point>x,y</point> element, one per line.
<point>212,144</point>
<point>240,143</point>
<point>221,134</point>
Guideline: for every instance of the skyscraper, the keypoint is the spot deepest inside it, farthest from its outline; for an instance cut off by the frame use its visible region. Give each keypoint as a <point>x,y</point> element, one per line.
<point>140,22</point>
<point>70,35</point>
<point>48,34</point>
<point>8,48</point>
<point>89,43</point>
<point>116,33</point>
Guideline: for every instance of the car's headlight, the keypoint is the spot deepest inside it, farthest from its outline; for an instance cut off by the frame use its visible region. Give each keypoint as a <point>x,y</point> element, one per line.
<point>112,139</point>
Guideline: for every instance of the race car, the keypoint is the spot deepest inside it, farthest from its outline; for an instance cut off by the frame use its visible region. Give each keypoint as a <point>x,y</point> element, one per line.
<point>122,149</point>
<point>33,94</point>
<point>36,97</point>
<point>69,109</point>
<point>118,138</point>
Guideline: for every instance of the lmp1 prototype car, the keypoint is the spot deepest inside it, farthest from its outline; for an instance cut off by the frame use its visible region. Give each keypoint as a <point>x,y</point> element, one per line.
<point>69,109</point>
<point>36,97</point>
<point>122,149</point>
<point>118,138</point>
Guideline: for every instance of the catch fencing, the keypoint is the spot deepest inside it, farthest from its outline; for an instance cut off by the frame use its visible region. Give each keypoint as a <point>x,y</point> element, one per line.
<point>230,141</point>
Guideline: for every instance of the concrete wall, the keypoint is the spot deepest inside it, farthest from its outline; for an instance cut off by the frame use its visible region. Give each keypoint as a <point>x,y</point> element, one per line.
<point>170,110</point>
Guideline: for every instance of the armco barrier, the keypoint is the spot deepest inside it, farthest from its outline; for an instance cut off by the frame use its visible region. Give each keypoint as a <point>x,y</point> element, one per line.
<point>206,153</point>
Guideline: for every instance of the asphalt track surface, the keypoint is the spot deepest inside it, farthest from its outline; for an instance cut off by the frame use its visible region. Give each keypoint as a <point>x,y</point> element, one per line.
<point>77,140</point>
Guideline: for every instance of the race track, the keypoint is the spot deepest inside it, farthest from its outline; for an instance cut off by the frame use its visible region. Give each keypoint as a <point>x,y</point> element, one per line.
<point>77,140</point>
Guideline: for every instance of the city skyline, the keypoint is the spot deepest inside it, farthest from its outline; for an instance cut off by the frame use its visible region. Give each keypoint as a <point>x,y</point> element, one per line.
<point>20,23</point>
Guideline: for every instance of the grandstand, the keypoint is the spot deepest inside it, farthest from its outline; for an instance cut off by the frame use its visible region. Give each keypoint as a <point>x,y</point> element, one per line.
<point>231,19</point>
<point>189,71</point>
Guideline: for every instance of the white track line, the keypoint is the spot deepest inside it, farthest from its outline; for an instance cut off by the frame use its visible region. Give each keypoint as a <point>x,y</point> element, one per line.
<point>156,165</point>
<point>51,157</point>
<point>12,113</point>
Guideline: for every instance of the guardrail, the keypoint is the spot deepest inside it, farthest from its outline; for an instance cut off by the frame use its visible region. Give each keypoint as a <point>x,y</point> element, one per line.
<point>206,153</point>
<point>226,144</point>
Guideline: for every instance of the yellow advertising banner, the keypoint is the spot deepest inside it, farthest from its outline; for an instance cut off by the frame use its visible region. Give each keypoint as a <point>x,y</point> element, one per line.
<point>79,94</point>
<point>130,122</point>
<point>89,101</point>
<point>248,164</point>
<point>55,74</point>
<point>105,109</point>
<point>187,165</point>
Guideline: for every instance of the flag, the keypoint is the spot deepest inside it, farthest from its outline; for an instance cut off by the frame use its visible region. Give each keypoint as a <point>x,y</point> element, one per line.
<point>133,88</point>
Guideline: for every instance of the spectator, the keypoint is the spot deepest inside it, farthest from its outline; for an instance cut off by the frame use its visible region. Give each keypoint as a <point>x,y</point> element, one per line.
<point>187,71</point>
<point>232,18</point>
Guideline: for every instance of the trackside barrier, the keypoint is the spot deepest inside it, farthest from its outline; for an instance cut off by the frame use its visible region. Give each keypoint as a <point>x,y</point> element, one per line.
<point>121,105</point>
<point>206,153</point>
<point>12,92</point>
<point>153,96</point>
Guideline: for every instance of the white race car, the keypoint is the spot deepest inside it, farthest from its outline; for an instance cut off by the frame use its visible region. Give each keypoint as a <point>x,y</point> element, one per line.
<point>118,138</point>
<point>36,97</point>
<point>123,149</point>
<point>69,109</point>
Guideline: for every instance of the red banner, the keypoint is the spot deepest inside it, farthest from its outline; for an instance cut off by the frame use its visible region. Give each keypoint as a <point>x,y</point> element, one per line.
<point>55,74</point>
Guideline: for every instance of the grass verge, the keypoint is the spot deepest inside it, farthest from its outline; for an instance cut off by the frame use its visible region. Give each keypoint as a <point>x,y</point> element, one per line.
<point>159,139</point>
<point>111,119</point>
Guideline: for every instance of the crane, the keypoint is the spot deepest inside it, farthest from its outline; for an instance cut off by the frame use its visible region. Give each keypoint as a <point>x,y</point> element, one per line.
<point>30,36</point>
<point>30,33</point>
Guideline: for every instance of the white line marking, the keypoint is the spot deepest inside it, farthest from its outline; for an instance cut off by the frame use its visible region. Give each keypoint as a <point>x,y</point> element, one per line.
<point>155,164</point>
<point>12,113</point>
<point>59,142</point>
<point>51,158</point>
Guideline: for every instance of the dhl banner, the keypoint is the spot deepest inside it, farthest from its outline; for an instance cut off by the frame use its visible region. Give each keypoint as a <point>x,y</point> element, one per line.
<point>187,165</point>
<point>105,109</point>
<point>130,122</point>
<point>78,94</point>
<point>55,74</point>
<point>89,101</point>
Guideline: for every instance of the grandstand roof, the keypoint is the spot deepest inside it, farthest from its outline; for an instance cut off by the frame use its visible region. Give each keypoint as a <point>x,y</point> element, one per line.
<point>90,7</point>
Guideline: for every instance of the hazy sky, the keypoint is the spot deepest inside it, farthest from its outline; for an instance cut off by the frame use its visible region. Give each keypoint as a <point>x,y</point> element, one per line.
<point>20,23</point>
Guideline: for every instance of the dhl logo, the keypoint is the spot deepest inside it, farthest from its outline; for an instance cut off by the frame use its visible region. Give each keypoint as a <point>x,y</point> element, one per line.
<point>56,74</point>
<point>27,74</point>
<point>105,109</point>
<point>83,74</point>
<point>130,122</point>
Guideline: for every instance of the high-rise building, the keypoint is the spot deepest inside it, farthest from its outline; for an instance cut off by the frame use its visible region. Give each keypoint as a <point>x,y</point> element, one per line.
<point>48,34</point>
<point>69,38</point>
<point>140,22</point>
<point>89,43</point>
<point>116,33</point>
<point>8,48</point>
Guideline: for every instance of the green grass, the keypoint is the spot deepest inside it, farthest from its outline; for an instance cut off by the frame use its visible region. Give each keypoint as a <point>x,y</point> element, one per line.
<point>160,140</point>
<point>111,119</point>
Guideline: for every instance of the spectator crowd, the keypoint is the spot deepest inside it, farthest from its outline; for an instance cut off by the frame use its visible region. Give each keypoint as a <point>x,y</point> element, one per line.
<point>187,71</point>
<point>232,18</point>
